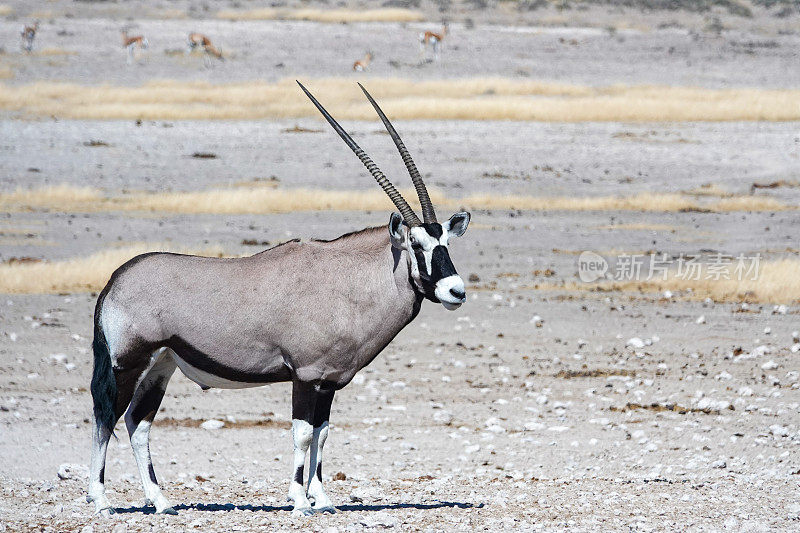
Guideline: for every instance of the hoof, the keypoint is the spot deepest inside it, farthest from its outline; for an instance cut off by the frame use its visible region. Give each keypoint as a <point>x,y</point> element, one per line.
<point>327,509</point>
<point>167,510</point>
<point>105,512</point>
<point>302,511</point>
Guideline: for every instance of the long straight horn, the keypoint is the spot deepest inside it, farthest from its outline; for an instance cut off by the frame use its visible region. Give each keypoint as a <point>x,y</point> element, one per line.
<point>394,195</point>
<point>425,201</point>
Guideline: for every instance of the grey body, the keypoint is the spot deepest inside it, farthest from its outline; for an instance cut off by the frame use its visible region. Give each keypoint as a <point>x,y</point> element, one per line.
<point>311,313</point>
<point>238,318</point>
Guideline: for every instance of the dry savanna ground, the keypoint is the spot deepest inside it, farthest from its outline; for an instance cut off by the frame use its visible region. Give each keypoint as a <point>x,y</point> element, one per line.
<point>659,132</point>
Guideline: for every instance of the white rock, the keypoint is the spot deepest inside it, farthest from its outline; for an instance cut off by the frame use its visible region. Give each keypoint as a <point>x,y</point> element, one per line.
<point>767,330</point>
<point>779,310</point>
<point>635,342</point>
<point>533,426</point>
<point>719,464</point>
<point>769,365</point>
<point>795,347</point>
<point>472,449</point>
<point>745,391</point>
<point>701,319</point>
<point>537,321</point>
<point>378,519</point>
<point>213,424</point>
<point>723,376</point>
<point>362,494</point>
<point>443,417</point>
<point>73,471</point>
<point>58,358</point>
<point>667,294</point>
<point>779,431</point>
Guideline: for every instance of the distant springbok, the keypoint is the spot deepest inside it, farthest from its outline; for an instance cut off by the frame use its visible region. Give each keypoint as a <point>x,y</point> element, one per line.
<point>433,39</point>
<point>312,313</point>
<point>129,43</point>
<point>362,64</point>
<point>198,39</point>
<point>28,35</point>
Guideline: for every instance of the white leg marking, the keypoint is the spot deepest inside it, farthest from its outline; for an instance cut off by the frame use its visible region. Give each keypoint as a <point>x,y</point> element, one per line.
<point>97,489</point>
<point>302,434</point>
<point>321,501</point>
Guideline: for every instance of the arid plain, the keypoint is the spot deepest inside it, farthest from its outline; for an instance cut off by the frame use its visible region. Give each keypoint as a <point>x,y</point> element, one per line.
<point>545,402</point>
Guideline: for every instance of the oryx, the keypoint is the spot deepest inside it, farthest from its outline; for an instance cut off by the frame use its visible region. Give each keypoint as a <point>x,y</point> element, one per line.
<point>312,313</point>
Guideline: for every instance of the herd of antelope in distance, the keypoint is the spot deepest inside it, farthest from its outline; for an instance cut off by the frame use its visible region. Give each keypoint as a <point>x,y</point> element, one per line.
<point>195,41</point>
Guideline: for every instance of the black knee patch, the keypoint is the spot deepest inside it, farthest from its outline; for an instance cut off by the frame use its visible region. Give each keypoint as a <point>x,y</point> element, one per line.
<point>152,473</point>
<point>298,476</point>
<point>319,471</point>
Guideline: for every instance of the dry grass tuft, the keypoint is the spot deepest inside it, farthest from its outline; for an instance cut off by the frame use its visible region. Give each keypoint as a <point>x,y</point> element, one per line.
<point>653,202</point>
<point>50,52</point>
<point>262,200</point>
<point>778,281</point>
<point>237,200</point>
<point>80,274</point>
<point>472,99</point>
<point>325,15</point>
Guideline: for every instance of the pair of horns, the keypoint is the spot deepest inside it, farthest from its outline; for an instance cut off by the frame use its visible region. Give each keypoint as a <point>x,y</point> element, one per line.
<point>409,216</point>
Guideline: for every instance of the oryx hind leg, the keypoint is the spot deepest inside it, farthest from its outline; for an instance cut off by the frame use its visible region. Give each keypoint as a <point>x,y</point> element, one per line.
<point>139,417</point>
<point>124,381</point>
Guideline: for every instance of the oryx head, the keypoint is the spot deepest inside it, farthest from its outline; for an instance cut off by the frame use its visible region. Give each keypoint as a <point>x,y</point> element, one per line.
<point>425,241</point>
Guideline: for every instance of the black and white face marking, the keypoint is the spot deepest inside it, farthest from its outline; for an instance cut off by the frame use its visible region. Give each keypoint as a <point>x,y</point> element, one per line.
<point>431,267</point>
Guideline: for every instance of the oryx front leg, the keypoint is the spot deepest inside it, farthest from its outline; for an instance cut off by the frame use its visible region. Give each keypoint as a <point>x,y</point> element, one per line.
<point>303,401</point>
<point>139,418</point>
<point>321,502</point>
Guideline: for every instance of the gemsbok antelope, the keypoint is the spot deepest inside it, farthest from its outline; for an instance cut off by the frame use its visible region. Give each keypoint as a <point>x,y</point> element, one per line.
<point>312,313</point>
<point>198,39</point>
<point>130,43</point>
<point>433,39</point>
<point>28,35</point>
<point>362,64</point>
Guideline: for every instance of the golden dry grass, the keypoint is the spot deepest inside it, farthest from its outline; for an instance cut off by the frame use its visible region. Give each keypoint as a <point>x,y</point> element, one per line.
<point>778,281</point>
<point>472,99</point>
<point>325,15</point>
<point>656,202</point>
<point>79,274</point>
<point>261,199</point>
<point>50,52</point>
<point>6,72</point>
<point>6,10</point>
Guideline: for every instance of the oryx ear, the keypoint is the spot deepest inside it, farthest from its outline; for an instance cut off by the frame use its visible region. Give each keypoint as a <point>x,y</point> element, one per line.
<point>397,233</point>
<point>457,224</point>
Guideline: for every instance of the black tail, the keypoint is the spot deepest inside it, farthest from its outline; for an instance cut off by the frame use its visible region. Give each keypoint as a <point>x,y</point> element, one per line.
<point>104,383</point>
